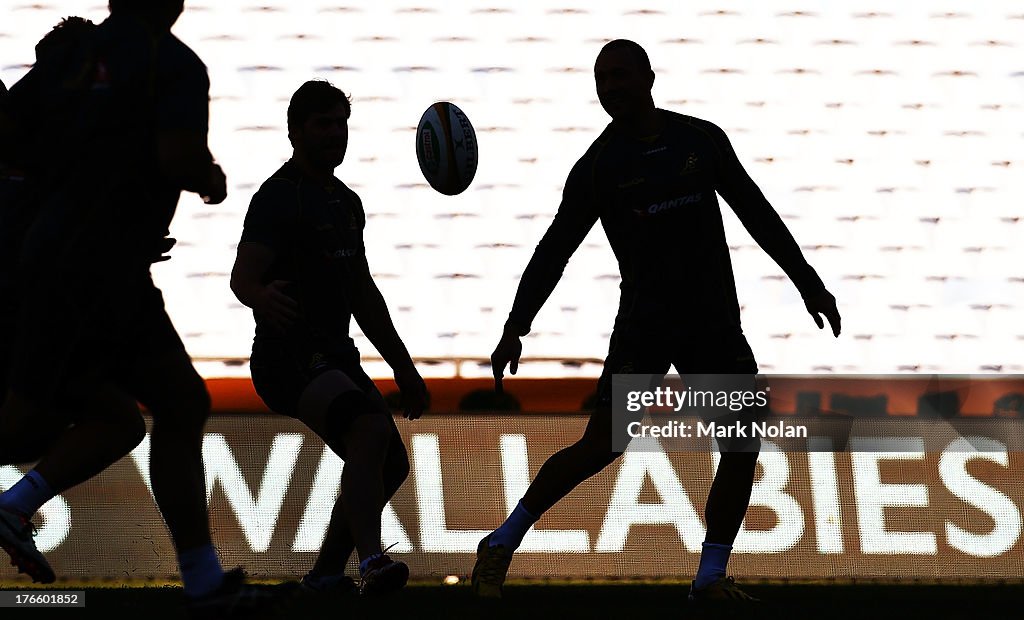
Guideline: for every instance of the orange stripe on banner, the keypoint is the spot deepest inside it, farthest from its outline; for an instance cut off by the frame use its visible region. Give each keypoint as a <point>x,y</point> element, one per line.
<point>237,395</point>
<point>977,396</point>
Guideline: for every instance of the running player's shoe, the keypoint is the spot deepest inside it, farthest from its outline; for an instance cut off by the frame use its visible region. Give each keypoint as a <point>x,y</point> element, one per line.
<point>327,584</point>
<point>382,576</point>
<point>725,589</point>
<point>237,599</point>
<point>490,569</point>
<point>16,538</point>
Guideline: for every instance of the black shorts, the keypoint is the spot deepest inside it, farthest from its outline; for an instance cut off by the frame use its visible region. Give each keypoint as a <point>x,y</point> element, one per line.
<point>280,375</point>
<point>707,352</point>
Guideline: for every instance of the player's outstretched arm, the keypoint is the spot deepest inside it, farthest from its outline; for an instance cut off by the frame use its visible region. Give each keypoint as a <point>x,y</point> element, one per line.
<point>575,217</point>
<point>371,312</point>
<point>770,232</point>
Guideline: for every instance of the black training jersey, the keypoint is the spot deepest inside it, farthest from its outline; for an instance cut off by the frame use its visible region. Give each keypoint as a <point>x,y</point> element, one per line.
<point>316,233</point>
<point>656,199</point>
<point>91,144</point>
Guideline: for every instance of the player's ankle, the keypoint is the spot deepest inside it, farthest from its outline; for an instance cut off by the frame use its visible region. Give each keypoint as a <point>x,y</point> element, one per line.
<point>510,534</point>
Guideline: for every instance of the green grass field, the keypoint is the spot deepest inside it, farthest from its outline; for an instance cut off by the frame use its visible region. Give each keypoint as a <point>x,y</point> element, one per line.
<point>627,600</point>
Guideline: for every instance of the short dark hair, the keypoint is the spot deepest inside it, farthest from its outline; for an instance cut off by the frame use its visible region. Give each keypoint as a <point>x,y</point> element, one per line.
<point>312,97</point>
<point>118,7</point>
<point>639,53</point>
<point>69,32</point>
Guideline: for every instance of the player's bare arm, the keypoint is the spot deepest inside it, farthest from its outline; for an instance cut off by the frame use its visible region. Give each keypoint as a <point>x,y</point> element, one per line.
<point>575,217</point>
<point>371,313</point>
<point>770,232</point>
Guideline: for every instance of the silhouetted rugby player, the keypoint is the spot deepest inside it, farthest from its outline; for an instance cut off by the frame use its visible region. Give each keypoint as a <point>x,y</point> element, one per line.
<point>111,131</point>
<point>651,179</point>
<point>302,268</point>
<point>19,200</point>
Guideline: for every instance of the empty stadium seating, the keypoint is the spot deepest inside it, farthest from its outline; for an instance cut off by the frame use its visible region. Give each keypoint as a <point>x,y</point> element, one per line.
<point>888,135</point>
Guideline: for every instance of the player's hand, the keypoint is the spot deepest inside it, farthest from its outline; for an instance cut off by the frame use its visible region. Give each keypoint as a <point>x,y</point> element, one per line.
<point>162,250</point>
<point>414,391</point>
<point>824,304</point>
<point>276,306</point>
<point>218,186</point>
<point>507,353</point>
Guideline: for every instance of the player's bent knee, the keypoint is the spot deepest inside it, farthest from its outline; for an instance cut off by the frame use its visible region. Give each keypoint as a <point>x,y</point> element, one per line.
<point>350,406</point>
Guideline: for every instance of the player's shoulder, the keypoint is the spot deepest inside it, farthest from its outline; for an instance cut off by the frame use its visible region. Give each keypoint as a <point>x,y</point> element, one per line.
<point>175,50</point>
<point>693,124</point>
<point>280,186</point>
<point>348,193</point>
<point>179,64</point>
<point>590,157</point>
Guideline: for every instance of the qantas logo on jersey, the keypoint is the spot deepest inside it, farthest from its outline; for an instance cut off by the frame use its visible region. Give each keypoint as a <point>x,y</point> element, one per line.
<point>668,205</point>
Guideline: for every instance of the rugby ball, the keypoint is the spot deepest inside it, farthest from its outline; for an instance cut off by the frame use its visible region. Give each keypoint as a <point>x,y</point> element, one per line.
<point>446,148</point>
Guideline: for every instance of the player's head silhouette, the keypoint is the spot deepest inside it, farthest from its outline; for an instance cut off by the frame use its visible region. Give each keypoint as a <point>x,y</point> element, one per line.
<point>624,79</point>
<point>318,125</point>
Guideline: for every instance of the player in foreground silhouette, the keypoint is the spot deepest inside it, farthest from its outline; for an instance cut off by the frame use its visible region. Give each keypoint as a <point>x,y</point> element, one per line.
<point>110,129</point>
<point>651,179</point>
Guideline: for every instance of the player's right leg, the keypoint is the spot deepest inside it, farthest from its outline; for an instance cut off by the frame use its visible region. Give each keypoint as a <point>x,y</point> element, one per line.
<point>33,427</point>
<point>559,475</point>
<point>23,440</point>
<point>563,471</point>
<point>328,572</point>
<point>107,426</point>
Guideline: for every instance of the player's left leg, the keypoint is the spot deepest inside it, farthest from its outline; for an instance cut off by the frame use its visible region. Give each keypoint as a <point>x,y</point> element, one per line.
<point>729,495</point>
<point>328,573</point>
<point>161,377</point>
<point>353,423</point>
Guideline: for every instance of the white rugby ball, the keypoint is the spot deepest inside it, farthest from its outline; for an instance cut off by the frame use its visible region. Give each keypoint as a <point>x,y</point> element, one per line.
<point>446,148</point>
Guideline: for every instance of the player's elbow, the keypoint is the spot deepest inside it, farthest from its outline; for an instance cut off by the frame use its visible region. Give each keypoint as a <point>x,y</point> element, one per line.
<point>243,284</point>
<point>237,288</point>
